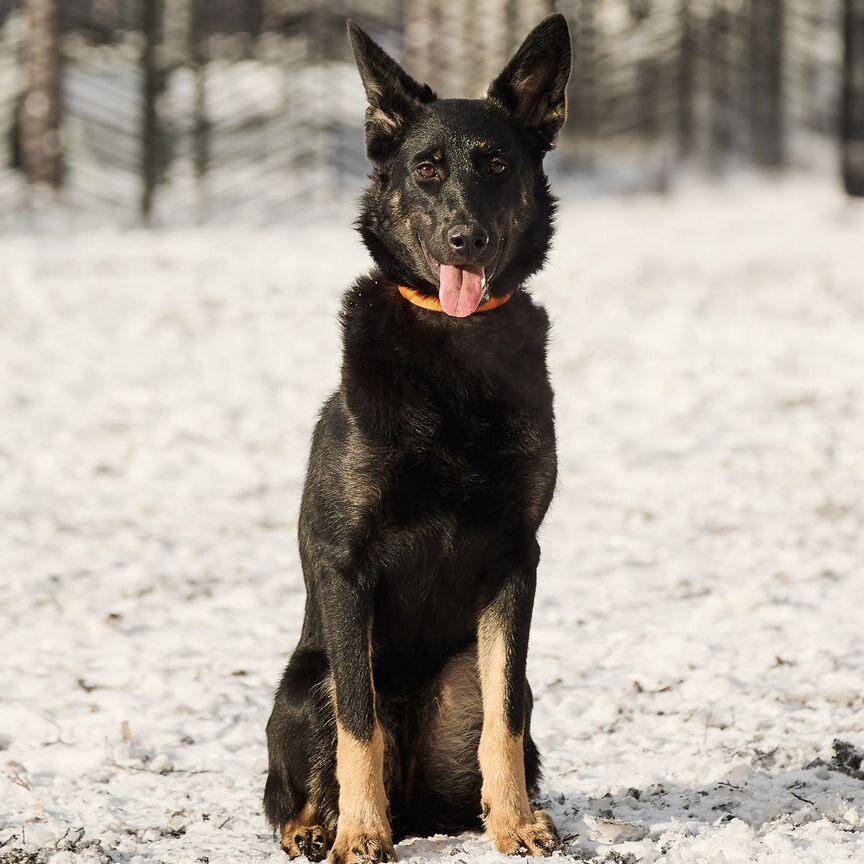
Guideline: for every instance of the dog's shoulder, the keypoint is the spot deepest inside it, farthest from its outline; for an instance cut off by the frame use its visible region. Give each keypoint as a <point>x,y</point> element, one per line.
<point>369,306</point>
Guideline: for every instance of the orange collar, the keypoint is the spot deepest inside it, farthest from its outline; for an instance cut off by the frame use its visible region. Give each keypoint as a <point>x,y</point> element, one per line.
<point>433,304</point>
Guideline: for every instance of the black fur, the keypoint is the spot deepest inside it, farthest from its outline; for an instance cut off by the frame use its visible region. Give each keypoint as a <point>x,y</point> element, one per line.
<point>433,464</point>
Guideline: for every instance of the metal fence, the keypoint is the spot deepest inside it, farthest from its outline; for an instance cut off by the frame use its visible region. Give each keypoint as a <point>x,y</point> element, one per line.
<point>186,110</point>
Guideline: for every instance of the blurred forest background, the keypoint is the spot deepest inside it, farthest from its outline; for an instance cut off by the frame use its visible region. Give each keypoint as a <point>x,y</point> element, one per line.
<point>194,110</point>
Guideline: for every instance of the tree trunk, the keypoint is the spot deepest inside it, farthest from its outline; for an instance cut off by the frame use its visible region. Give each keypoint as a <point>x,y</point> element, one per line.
<point>719,36</point>
<point>198,34</point>
<point>422,20</point>
<point>766,69</point>
<point>40,128</point>
<point>853,98</point>
<point>584,105</point>
<point>149,116</point>
<point>686,72</point>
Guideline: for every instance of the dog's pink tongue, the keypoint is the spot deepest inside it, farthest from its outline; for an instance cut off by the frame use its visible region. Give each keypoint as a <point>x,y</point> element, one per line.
<point>461,289</point>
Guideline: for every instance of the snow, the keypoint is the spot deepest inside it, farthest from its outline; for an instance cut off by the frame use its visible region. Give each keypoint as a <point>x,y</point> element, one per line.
<point>698,636</point>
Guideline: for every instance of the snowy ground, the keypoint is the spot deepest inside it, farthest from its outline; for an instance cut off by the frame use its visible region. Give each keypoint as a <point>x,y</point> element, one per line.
<point>698,638</point>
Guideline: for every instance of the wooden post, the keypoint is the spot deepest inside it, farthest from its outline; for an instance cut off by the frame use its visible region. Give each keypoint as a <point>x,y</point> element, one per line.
<point>40,123</point>
<point>852,131</point>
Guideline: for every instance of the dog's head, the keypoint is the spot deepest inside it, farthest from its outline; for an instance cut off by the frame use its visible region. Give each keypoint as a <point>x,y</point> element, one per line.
<point>460,205</point>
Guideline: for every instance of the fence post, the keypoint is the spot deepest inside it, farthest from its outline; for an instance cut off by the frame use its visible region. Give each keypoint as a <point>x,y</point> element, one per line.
<point>766,68</point>
<point>149,117</point>
<point>40,126</point>
<point>852,132</point>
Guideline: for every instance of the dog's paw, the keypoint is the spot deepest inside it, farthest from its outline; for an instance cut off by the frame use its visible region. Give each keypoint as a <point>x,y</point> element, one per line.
<point>309,840</point>
<point>538,837</point>
<point>362,847</point>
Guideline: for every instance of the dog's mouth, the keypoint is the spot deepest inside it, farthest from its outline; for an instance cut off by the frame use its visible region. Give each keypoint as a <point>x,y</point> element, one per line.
<point>461,288</point>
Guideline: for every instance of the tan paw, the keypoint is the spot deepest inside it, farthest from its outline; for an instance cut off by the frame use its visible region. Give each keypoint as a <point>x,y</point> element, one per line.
<point>309,840</point>
<point>362,847</point>
<point>538,837</point>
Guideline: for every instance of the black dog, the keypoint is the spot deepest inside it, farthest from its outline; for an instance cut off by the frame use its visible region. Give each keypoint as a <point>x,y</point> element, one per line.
<point>405,708</point>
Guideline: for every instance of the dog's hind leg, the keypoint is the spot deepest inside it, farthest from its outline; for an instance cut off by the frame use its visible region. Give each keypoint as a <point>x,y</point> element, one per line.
<point>442,793</point>
<point>444,774</point>
<point>300,797</point>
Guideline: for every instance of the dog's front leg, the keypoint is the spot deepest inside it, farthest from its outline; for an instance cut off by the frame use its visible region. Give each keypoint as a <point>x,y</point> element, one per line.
<point>502,650</point>
<point>363,834</point>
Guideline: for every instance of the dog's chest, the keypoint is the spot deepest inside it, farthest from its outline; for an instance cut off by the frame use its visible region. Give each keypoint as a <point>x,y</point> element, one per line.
<point>475,465</point>
<point>467,445</point>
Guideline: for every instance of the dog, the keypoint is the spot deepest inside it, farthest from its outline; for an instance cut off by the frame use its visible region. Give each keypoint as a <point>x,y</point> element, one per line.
<point>405,708</point>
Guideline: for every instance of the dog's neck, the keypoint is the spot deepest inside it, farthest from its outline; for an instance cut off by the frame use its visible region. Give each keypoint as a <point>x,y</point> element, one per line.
<point>433,304</point>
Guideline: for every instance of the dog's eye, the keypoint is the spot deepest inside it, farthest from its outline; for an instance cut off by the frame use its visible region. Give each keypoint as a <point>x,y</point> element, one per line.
<point>498,165</point>
<point>426,170</point>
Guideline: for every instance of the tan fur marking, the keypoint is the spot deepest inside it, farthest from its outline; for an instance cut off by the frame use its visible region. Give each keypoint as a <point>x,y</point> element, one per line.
<point>538,488</point>
<point>360,772</point>
<point>377,117</point>
<point>363,831</point>
<point>509,819</point>
<point>362,467</point>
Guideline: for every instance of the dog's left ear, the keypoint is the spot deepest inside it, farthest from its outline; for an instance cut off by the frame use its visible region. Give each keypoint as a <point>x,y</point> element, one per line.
<point>394,96</point>
<point>533,85</point>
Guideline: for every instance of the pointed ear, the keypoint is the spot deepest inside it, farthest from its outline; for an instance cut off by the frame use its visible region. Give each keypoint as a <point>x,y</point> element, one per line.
<point>533,85</point>
<point>394,96</point>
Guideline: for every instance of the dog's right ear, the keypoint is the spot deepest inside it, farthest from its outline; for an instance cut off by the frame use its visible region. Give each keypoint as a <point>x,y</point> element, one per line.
<point>394,96</point>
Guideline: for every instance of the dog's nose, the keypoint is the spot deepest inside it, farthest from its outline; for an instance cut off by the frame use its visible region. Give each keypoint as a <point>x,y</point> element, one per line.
<point>467,239</point>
